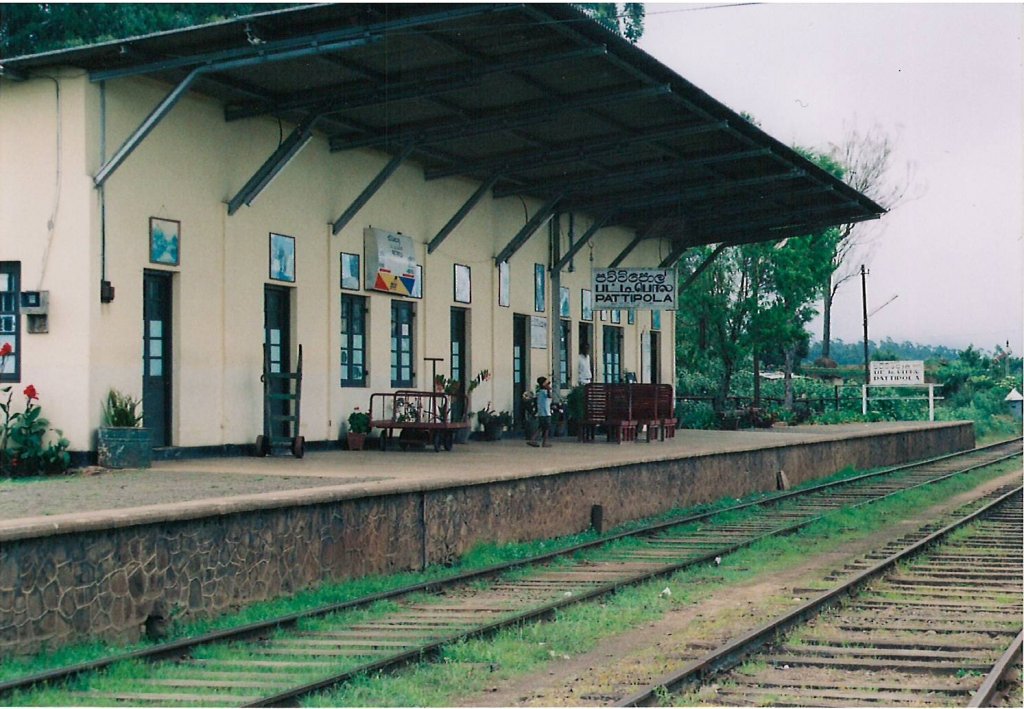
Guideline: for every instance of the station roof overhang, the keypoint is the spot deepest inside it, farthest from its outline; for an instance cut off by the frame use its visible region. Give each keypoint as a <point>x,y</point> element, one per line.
<point>529,100</point>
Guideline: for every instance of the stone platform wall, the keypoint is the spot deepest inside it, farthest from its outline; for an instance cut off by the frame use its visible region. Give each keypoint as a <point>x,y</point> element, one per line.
<point>109,583</point>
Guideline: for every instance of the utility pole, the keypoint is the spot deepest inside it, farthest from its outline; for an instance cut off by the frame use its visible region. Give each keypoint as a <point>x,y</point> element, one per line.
<point>864,294</point>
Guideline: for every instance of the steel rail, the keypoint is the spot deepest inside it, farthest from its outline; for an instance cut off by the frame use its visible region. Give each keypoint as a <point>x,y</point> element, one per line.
<point>181,647</point>
<point>986,693</point>
<point>733,652</point>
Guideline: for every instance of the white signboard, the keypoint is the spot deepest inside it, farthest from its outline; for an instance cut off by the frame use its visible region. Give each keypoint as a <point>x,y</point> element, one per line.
<point>538,332</point>
<point>634,288</point>
<point>897,373</point>
<point>390,262</point>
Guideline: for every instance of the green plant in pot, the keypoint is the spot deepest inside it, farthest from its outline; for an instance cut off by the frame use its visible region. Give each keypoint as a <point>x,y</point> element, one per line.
<point>358,428</point>
<point>121,441</point>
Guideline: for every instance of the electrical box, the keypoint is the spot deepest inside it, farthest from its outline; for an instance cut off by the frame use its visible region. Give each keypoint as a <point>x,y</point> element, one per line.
<point>35,306</point>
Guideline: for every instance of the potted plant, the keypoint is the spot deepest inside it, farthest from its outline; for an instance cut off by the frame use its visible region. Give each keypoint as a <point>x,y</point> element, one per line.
<point>493,423</point>
<point>122,442</point>
<point>358,427</point>
<point>459,399</point>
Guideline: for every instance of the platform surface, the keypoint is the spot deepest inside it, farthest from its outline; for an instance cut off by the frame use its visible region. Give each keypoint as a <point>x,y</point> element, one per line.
<point>196,487</point>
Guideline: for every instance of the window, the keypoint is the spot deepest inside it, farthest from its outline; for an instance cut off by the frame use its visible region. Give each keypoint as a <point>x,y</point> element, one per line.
<point>612,354</point>
<point>10,322</point>
<point>353,341</point>
<point>401,344</point>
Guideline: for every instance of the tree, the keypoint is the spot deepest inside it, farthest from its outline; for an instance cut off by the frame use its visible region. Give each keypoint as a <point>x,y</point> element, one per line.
<point>31,28</point>
<point>626,19</point>
<point>866,163</point>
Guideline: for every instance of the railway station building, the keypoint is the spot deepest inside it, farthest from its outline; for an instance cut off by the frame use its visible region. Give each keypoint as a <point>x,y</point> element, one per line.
<point>403,190</point>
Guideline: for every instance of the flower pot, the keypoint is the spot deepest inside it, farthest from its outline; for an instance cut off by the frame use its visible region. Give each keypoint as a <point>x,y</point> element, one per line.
<point>462,435</point>
<point>118,447</point>
<point>492,431</point>
<point>356,441</point>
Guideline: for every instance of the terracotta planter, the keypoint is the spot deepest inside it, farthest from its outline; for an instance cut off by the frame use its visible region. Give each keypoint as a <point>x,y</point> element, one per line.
<point>356,441</point>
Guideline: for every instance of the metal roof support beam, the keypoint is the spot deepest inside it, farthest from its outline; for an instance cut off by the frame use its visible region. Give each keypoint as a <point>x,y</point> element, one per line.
<point>287,150</point>
<point>144,129</point>
<point>461,214</point>
<point>700,269</point>
<point>500,120</point>
<point>592,149</point>
<point>626,251</point>
<point>578,245</point>
<point>535,222</point>
<point>677,250</point>
<point>371,189</point>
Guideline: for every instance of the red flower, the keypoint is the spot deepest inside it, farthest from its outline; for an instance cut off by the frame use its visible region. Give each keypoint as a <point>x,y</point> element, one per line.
<point>6,349</point>
<point>31,393</point>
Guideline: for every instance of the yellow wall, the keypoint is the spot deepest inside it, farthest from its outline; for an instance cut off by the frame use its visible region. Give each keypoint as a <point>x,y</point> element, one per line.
<point>187,169</point>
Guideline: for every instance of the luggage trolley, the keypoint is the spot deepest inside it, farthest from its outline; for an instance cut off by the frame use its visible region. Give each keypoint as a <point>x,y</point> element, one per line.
<point>278,386</point>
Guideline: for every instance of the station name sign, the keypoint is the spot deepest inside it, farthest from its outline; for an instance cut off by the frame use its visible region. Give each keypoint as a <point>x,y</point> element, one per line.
<point>634,288</point>
<point>909,372</point>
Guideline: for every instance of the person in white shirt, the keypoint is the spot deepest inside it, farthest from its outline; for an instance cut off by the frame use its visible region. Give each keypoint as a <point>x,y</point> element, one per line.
<point>584,374</point>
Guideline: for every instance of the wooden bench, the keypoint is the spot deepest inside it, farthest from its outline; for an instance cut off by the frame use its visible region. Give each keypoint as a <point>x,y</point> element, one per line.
<point>420,417</point>
<point>622,408</point>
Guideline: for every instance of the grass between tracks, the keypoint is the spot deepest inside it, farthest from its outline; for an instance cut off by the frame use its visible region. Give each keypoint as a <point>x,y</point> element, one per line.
<point>471,666</point>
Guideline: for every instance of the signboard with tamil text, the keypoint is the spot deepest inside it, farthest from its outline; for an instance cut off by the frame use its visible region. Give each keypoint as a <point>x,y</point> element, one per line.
<point>906,373</point>
<point>634,288</point>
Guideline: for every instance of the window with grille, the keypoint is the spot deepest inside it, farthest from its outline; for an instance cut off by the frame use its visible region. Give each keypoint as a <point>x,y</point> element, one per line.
<point>612,352</point>
<point>10,286</point>
<point>353,341</point>
<point>402,372</point>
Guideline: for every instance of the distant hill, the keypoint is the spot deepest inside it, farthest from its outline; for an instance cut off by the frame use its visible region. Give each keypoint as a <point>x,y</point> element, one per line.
<point>853,352</point>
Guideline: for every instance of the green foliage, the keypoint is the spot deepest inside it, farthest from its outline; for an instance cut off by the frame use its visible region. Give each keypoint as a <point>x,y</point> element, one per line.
<point>358,421</point>
<point>626,19</point>
<point>31,28</point>
<point>852,353</point>
<point>121,410</point>
<point>24,450</point>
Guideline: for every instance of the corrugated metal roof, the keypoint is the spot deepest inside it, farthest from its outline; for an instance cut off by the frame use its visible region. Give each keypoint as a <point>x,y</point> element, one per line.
<point>536,98</point>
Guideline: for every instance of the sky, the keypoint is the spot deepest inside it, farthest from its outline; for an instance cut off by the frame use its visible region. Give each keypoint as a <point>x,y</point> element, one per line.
<point>946,82</point>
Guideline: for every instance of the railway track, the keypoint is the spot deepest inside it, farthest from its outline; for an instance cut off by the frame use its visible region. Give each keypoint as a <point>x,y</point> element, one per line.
<point>933,619</point>
<point>280,661</point>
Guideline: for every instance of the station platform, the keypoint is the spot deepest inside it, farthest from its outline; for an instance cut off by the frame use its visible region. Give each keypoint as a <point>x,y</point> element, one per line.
<point>95,555</point>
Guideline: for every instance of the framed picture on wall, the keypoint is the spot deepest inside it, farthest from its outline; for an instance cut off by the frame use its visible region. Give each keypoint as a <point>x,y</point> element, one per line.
<point>504,289</point>
<point>350,271</point>
<point>563,302</point>
<point>586,305</point>
<point>417,289</point>
<point>631,317</point>
<point>539,279</point>
<point>463,284</point>
<point>617,317</point>
<point>655,319</point>
<point>164,241</point>
<point>282,258</point>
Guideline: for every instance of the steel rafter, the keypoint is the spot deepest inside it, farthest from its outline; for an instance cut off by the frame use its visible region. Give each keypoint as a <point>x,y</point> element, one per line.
<point>429,85</point>
<point>531,226</point>
<point>499,120</point>
<point>592,148</point>
<point>661,170</point>
<point>578,245</point>
<point>461,214</point>
<point>371,189</point>
<point>288,149</point>
<point>626,251</point>
<point>701,268</point>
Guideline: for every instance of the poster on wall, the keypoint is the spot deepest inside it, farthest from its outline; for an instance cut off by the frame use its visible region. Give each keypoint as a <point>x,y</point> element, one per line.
<point>504,287</point>
<point>282,258</point>
<point>390,262</point>
<point>463,284</point>
<point>538,332</point>
<point>350,271</point>
<point>164,241</point>
<point>640,288</point>
<point>539,281</point>
<point>586,305</point>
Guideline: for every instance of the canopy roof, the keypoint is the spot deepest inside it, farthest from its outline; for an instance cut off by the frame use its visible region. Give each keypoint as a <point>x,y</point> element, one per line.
<point>530,100</point>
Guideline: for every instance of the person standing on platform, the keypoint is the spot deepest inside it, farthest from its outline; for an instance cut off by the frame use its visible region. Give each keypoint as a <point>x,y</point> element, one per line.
<point>543,413</point>
<point>584,374</point>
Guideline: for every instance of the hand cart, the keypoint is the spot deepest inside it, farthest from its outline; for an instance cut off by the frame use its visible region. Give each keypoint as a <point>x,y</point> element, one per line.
<point>281,387</point>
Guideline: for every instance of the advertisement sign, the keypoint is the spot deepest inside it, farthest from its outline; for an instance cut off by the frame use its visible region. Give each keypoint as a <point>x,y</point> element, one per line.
<point>634,288</point>
<point>390,262</point>
<point>905,373</point>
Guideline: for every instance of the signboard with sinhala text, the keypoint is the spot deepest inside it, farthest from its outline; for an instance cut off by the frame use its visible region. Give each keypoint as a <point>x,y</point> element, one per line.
<point>906,373</point>
<point>634,288</point>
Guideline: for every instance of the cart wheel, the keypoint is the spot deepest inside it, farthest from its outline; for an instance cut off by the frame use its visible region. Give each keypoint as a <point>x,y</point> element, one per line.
<point>262,447</point>
<point>384,441</point>
<point>449,441</point>
<point>298,446</point>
